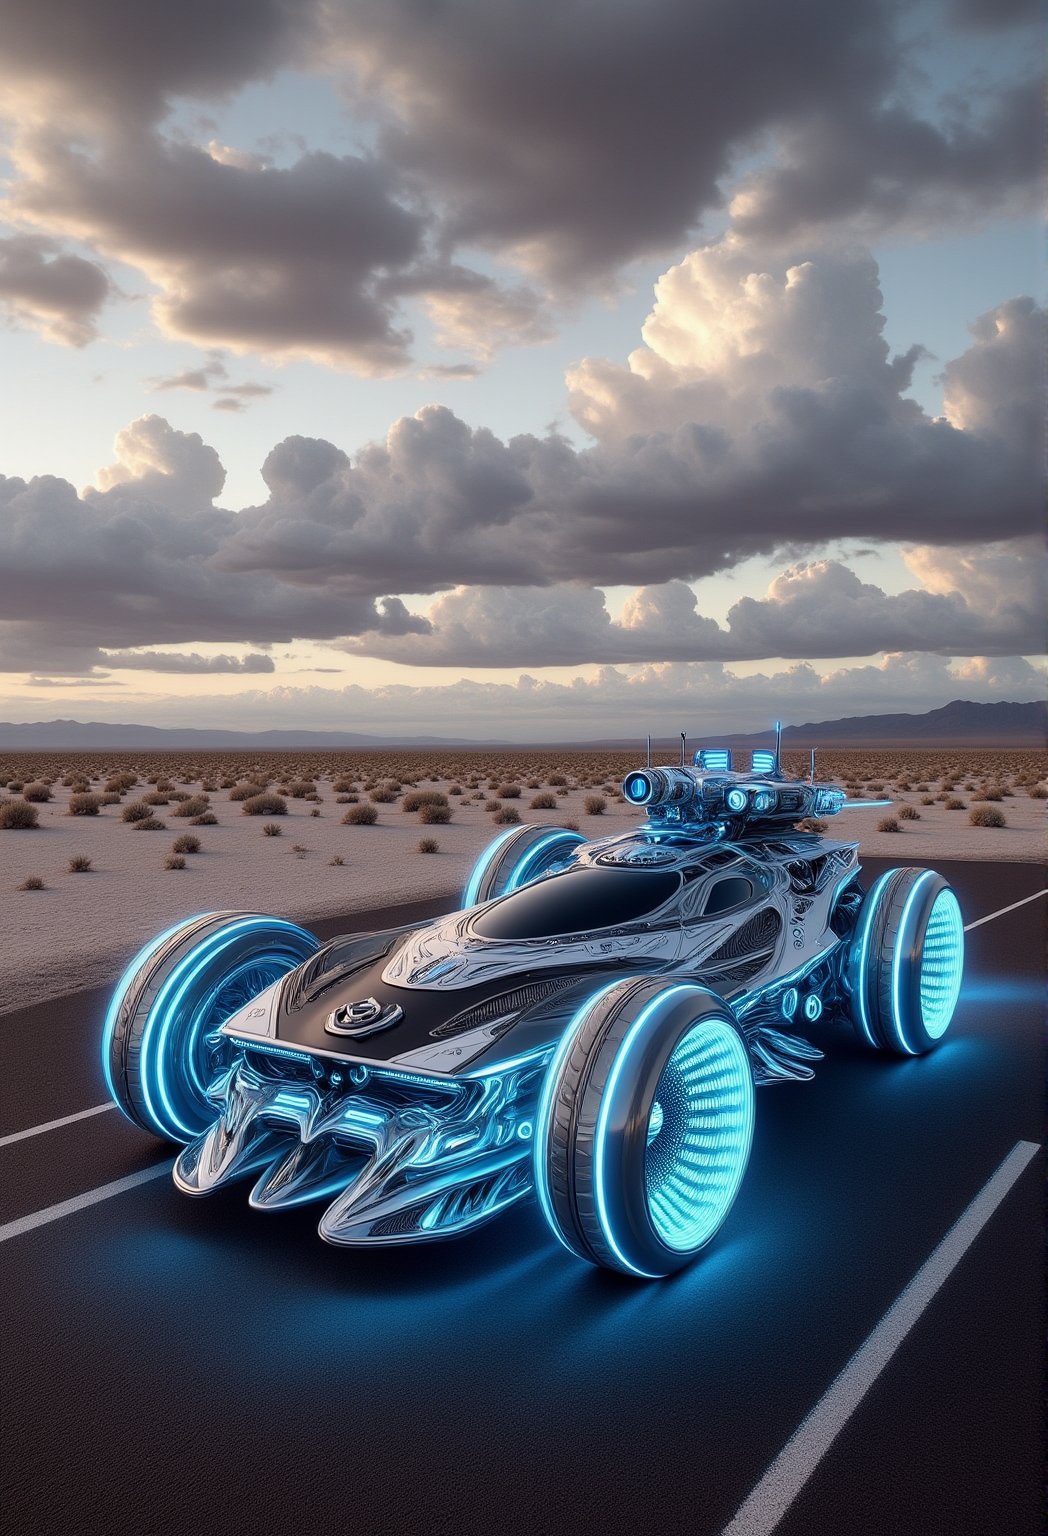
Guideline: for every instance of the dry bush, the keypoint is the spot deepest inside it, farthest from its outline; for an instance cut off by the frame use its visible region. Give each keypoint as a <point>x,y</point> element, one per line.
<point>455,789</point>
<point>196,805</point>
<point>360,816</point>
<point>988,794</point>
<point>84,805</point>
<point>594,805</point>
<point>435,815</point>
<point>187,843</point>
<point>986,816</point>
<point>1037,792</point>
<point>383,796</point>
<point>110,798</point>
<point>271,829</point>
<point>150,824</point>
<point>506,816</point>
<point>18,816</point>
<point>544,802</point>
<point>15,786</point>
<point>245,791</point>
<point>492,805</point>
<point>157,797</point>
<point>264,805</point>
<point>951,803</point>
<point>570,826</point>
<point>888,824</point>
<point>346,799</point>
<point>344,786</point>
<point>209,819</point>
<point>811,824</point>
<point>508,791</point>
<point>119,783</point>
<point>337,859</point>
<point>428,845</point>
<point>927,800</point>
<point>32,883</point>
<point>79,864</point>
<point>138,810</point>
<point>300,788</point>
<point>38,793</point>
<point>420,797</point>
<point>909,813</point>
<point>174,861</point>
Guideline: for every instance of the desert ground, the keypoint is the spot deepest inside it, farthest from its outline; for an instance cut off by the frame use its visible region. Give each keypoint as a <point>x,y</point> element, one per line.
<point>100,873</point>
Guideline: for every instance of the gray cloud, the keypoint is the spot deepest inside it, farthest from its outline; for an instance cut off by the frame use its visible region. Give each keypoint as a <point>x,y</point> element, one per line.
<point>57,293</point>
<point>181,661</point>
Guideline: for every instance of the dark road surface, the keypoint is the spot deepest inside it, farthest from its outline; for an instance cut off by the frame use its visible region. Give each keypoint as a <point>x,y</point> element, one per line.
<point>174,1366</point>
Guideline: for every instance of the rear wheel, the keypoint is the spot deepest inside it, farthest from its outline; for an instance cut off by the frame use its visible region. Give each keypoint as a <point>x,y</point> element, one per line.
<point>517,858</point>
<point>906,962</point>
<point>644,1126</point>
<point>160,1042</point>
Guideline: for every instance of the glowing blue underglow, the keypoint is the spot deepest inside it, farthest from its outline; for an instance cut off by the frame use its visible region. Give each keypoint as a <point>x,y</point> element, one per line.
<point>762,761</point>
<point>706,1093</point>
<point>898,955</point>
<point>267,1049</point>
<point>542,1116</point>
<point>715,759</point>
<point>813,1007</point>
<point>869,907</point>
<point>736,799</point>
<point>789,1002</point>
<point>479,869</point>
<point>118,996</point>
<point>942,964</point>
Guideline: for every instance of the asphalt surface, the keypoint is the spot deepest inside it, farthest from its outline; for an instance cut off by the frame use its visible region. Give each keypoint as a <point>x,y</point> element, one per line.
<point>181,1366</point>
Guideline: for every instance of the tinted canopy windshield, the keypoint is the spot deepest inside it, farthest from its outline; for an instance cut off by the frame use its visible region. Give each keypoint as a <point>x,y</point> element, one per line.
<point>576,902</point>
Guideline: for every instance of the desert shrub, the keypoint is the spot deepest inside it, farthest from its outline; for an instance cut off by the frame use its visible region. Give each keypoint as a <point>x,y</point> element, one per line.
<point>544,802</point>
<point>927,800</point>
<point>84,805</point>
<point>32,883</point>
<point>38,793</point>
<point>79,864</point>
<point>346,799</point>
<point>888,824</point>
<point>561,793</point>
<point>187,843</point>
<point>811,824</point>
<point>227,784</point>
<point>570,826</point>
<point>594,805</point>
<point>299,848</point>
<point>383,796</point>
<point>196,805</point>
<point>435,815</point>
<point>271,829</point>
<point>506,816</point>
<point>420,797</point>
<point>174,861</point>
<point>15,786</point>
<point>455,789</point>
<point>300,788</point>
<point>138,810</point>
<point>1037,792</point>
<point>176,796</point>
<point>986,816</point>
<point>157,797</point>
<point>988,794</point>
<point>875,787</point>
<point>149,824</point>
<point>209,819</point>
<point>18,816</point>
<point>264,805</point>
<point>337,859</point>
<point>315,811</point>
<point>508,791</point>
<point>119,783</point>
<point>428,845</point>
<point>164,783</point>
<point>951,803</point>
<point>533,784</point>
<point>344,786</point>
<point>245,791</point>
<point>492,805</point>
<point>109,798</point>
<point>360,816</point>
<point>909,813</point>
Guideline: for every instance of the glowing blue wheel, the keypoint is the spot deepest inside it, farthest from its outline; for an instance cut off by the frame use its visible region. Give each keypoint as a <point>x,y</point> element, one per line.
<point>644,1126</point>
<point>161,1046</point>
<point>518,857</point>
<point>907,962</point>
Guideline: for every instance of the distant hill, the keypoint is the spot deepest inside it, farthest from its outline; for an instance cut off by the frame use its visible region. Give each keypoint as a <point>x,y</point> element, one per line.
<point>958,724</point>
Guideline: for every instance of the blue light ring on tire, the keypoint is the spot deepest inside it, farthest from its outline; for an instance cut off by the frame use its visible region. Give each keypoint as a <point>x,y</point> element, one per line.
<point>163,1015</point>
<point>531,862</point>
<point>860,978</point>
<point>146,956</point>
<point>906,967</point>
<point>267,966</point>
<point>942,963</point>
<point>482,866</point>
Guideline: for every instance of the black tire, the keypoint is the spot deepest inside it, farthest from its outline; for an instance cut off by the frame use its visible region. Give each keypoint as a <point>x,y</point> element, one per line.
<point>517,858</point>
<point>159,1046</point>
<point>906,962</point>
<point>644,1126</point>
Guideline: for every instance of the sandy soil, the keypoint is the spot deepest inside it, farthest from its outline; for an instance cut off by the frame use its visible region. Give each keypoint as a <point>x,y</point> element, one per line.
<point>81,928</point>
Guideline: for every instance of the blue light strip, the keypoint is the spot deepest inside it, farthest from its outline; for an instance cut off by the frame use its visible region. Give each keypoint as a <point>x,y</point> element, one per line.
<point>600,1135</point>
<point>517,877</point>
<point>865,805</point>
<point>942,964</point>
<point>499,1067</point>
<point>865,921</point>
<point>542,1116</point>
<point>481,866</point>
<point>897,958</point>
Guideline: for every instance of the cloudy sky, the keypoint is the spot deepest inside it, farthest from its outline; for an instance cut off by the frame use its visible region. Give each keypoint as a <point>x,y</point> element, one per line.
<point>528,368</point>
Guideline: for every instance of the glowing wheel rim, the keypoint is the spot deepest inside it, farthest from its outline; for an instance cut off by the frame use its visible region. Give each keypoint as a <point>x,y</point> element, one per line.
<point>942,964</point>
<point>699,1135</point>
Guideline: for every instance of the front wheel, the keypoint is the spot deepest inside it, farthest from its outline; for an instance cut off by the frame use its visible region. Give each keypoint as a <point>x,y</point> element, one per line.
<point>518,857</point>
<point>906,962</point>
<point>644,1126</point>
<point>161,1046</point>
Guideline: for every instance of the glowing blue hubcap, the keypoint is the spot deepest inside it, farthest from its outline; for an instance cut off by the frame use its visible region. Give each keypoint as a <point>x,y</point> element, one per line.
<point>699,1134</point>
<point>942,962</point>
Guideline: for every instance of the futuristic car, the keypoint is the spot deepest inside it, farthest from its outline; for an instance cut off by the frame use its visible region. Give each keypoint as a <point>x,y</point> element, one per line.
<point>589,1026</point>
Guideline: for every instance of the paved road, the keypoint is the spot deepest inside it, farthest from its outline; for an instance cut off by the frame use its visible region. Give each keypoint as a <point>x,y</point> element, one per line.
<point>174,1366</point>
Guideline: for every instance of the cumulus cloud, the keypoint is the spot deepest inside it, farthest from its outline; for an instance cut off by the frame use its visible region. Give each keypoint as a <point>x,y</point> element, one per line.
<point>58,294</point>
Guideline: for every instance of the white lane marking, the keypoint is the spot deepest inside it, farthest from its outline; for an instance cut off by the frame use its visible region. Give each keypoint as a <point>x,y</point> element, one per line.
<point>806,1447</point>
<point>53,1125</point>
<point>991,915</point>
<point>80,1202</point>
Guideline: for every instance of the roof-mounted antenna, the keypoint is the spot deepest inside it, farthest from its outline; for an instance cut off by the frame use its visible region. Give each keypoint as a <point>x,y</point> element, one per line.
<point>811,779</point>
<point>683,746</point>
<point>778,746</point>
<point>649,753</point>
